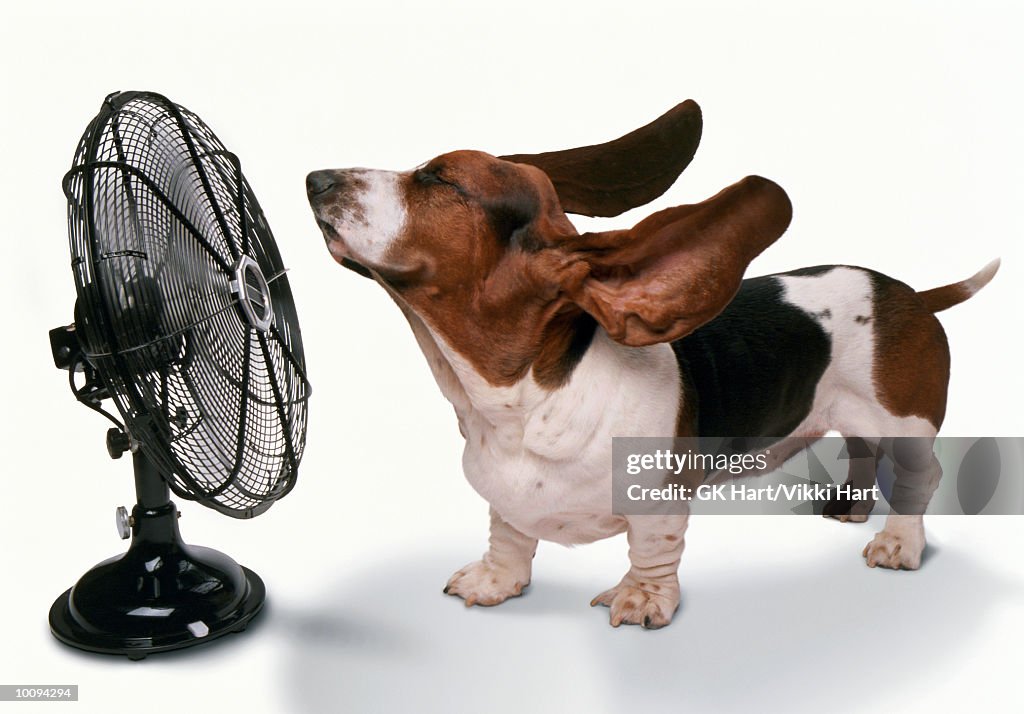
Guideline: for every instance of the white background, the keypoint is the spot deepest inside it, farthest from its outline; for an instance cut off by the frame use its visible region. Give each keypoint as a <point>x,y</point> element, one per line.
<point>894,126</point>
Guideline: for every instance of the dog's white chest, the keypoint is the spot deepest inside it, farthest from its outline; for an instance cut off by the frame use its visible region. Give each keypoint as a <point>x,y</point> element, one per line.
<point>543,459</point>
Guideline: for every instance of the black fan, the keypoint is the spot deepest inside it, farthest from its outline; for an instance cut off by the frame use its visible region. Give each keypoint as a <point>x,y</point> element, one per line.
<point>185,319</point>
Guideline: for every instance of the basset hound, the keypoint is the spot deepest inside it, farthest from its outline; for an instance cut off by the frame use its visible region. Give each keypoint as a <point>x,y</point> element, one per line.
<point>549,342</point>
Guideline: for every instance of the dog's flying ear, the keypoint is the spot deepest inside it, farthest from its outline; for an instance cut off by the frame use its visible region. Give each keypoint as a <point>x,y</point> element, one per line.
<point>608,179</point>
<point>678,268</point>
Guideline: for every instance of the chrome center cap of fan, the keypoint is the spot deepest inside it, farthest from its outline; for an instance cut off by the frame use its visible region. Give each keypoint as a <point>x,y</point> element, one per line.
<point>253,293</point>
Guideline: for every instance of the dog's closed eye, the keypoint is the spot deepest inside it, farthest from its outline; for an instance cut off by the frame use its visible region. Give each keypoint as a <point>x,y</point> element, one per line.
<point>432,176</point>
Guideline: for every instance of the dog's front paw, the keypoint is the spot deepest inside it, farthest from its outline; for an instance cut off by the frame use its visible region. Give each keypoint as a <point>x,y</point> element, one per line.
<point>633,602</point>
<point>892,550</point>
<point>483,583</point>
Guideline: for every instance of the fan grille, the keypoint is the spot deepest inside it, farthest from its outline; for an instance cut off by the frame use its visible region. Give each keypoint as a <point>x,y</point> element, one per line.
<point>159,217</point>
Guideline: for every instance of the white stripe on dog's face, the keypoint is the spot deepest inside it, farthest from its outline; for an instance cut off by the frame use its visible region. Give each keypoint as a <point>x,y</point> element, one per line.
<point>362,214</point>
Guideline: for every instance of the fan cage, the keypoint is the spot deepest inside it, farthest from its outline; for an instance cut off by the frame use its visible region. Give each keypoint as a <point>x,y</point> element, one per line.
<point>160,218</point>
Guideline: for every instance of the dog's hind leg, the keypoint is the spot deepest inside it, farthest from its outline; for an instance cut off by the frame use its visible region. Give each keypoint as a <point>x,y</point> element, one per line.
<point>863,461</point>
<point>901,541</point>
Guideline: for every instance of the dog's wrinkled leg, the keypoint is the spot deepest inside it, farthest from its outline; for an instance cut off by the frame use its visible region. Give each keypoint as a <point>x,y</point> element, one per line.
<point>503,571</point>
<point>648,595</point>
<point>901,542</point>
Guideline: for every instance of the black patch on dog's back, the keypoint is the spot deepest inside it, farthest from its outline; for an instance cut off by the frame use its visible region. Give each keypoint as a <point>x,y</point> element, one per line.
<point>756,366</point>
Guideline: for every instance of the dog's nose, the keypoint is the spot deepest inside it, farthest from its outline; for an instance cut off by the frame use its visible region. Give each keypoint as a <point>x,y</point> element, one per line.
<point>320,182</point>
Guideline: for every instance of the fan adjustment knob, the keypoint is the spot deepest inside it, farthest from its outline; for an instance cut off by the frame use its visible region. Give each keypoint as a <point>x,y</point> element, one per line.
<point>118,442</point>
<point>124,523</point>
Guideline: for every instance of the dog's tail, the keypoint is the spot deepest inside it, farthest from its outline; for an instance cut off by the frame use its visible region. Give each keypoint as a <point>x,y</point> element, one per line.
<point>939,299</point>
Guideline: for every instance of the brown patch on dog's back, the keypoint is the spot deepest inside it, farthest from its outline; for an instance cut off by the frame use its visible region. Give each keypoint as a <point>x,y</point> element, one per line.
<point>911,361</point>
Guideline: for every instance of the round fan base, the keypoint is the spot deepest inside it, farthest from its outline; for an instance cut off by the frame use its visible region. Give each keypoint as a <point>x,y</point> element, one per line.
<point>68,627</point>
<point>159,596</point>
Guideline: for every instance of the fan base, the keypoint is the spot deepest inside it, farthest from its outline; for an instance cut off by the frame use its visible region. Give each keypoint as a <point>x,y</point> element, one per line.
<point>161,595</point>
<point>66,628</point>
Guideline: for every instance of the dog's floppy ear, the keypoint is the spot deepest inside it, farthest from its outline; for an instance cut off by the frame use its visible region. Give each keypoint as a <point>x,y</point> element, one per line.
<point>608,179</point>
<point>678,268</point>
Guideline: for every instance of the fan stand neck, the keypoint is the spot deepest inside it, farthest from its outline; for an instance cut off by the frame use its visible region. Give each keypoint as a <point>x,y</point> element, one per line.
<point>162,594</point>
<point>151,491</point>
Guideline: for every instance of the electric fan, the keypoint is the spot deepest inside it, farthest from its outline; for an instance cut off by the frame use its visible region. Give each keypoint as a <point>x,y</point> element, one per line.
<point>185,319</point>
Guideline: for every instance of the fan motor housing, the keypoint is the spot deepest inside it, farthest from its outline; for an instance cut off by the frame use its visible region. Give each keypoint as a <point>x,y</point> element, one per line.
<point>253,292</point>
